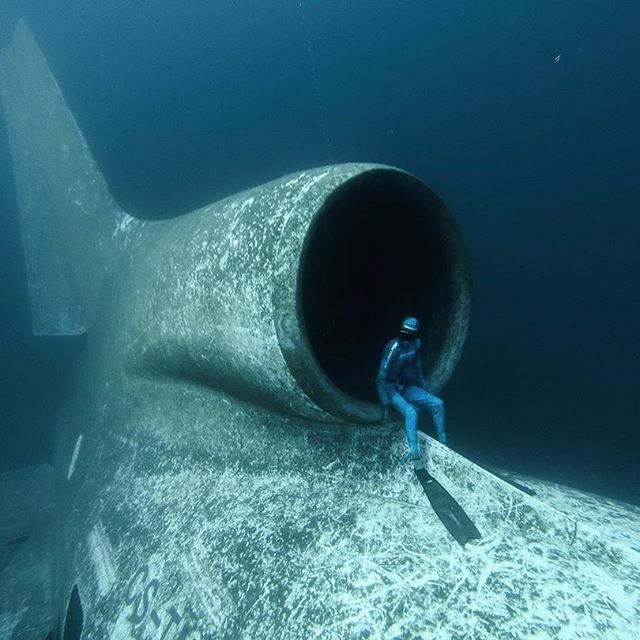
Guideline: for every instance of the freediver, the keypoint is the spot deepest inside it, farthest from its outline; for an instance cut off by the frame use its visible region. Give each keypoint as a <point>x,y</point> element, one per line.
<point>401,382</point>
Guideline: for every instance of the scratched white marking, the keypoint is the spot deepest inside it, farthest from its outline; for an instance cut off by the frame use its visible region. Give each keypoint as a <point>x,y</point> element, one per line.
<point>123,225</point>
<point>209,594</point>
<point>247,203</point>
<point>74,457</point>
<point>9,621</point>
<point>102,558</point>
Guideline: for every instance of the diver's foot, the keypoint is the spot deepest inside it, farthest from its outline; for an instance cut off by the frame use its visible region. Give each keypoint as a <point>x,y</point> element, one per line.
<point>415,459</point>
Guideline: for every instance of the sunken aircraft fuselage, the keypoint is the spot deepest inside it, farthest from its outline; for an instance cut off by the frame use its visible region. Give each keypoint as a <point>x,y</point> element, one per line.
<point>222,470</point>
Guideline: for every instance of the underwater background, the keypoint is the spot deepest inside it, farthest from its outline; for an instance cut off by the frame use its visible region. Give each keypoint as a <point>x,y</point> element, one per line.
<point>521,115</point>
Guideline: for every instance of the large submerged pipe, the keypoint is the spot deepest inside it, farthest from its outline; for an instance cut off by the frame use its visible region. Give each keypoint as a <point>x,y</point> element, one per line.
<point>284,295</point>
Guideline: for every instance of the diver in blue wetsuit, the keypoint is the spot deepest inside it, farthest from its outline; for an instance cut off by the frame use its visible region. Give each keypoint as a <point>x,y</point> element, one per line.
<point>401,382</point>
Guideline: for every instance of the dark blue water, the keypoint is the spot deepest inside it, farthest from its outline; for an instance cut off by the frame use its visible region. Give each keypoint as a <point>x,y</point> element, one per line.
<point>521,115</point>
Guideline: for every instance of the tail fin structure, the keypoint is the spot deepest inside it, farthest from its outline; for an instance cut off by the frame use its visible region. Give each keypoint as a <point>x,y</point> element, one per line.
<point>68,216</point>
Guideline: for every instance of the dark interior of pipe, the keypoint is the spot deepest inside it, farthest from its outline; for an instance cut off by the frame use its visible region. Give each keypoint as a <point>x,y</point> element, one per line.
<point>376,254</point>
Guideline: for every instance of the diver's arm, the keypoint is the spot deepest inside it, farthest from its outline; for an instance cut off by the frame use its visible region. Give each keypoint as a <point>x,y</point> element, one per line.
<point>418,368</point>
<point>383,371</point>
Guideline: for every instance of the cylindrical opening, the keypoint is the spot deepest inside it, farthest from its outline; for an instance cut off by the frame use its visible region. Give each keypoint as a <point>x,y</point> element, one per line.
<point>383,247</point>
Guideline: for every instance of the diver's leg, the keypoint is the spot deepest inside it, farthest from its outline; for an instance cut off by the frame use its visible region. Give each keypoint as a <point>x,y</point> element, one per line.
<point>410,421</point>
<point>422,398</point>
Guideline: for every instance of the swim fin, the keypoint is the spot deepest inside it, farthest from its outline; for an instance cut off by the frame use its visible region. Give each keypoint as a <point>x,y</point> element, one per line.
<point>451,514</point>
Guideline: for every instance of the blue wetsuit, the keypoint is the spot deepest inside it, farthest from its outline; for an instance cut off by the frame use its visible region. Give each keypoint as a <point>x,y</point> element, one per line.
<point>402,383</point>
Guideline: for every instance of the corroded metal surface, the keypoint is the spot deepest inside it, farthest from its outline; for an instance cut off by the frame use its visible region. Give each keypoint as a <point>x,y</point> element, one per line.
<point>27,551</point>
<point>618,521</point>
<point>330,534</point>
<point>54,172</point>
